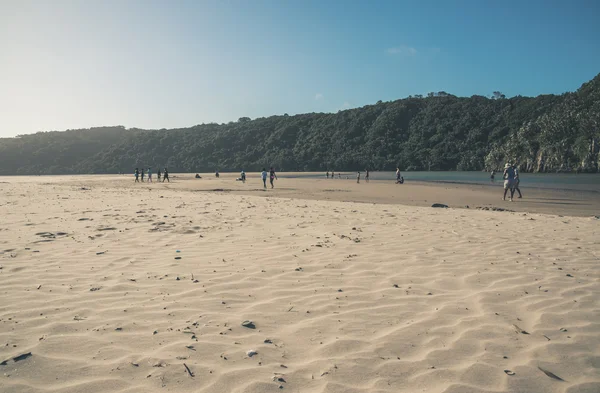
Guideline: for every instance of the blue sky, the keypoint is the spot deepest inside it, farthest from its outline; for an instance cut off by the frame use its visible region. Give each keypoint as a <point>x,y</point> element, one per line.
<point>154,64</point>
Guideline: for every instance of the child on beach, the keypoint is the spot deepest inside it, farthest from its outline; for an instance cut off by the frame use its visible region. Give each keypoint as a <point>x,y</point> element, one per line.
<point>166,176</point>
<point>137,175</point>
<point>263,174</point>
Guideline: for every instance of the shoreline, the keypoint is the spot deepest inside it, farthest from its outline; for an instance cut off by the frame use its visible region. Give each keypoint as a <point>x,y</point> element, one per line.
<point>582,203</point>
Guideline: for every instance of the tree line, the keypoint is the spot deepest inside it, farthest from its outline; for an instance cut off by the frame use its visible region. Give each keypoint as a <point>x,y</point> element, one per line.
<point>441,131</point>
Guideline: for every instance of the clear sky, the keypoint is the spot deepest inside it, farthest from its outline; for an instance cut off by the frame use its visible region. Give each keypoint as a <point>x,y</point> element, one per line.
<point>154,64</point>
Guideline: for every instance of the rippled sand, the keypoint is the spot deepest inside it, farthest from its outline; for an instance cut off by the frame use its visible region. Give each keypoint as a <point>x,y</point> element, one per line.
<point>344,296</point>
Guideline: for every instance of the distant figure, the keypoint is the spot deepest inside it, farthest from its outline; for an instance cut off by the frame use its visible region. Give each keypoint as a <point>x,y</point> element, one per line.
<point>358,177</point>
<point>158,175</point>
<point>263,174</point>
<point>509,181</point>
<point>367,175</point>
<point>399,179</point>
<point>198,176</point>
<point>272,176</point>
<point>492,175</point>
<point>137,175</point>
<point>327,174</point>
<point>517,181</point>
<point>217,174</point>
<point>149,175</point>
<point>142,175</point>
<point>166,176</point>
<point>339,175</point>
<point>243,176</point>
<point>332,174</point>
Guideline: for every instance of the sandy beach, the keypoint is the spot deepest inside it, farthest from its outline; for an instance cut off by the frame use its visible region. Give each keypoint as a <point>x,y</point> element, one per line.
<point>111,286</point>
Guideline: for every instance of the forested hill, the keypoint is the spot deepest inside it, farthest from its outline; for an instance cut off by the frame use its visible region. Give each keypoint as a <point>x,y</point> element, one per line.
<point>437,132</point>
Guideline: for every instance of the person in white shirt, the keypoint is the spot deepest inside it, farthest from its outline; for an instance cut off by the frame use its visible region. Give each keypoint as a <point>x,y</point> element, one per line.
<point>264,177</point>
<point>517,181</point>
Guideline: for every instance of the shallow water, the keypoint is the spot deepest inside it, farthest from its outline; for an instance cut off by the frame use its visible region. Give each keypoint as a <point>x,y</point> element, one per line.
<point>563,181</point>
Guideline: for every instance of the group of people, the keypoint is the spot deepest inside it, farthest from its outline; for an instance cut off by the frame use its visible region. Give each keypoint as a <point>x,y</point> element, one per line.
<point>511,181</point>
<point>333,175</point>
<point>399,178</point>
<point>164,174</point>
<point>264,174</point>
<point>272,176</point>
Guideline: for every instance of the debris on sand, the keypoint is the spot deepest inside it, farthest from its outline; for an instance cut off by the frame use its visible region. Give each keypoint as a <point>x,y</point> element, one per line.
<point>17,358</point>
<point>551,374</point>
<point>495,209</point>
<point>249,324</point>
<point>519,330</point>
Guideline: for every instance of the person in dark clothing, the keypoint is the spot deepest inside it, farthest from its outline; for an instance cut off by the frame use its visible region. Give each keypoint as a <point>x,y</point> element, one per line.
<point>137,175</point>
<point>272,176</point>
<point>158,175</point>
<point>367,175</point>
<point>142,175</point>
<point>166,175</point>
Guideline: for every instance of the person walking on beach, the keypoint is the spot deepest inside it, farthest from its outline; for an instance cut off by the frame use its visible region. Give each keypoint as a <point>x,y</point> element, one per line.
<point>263,174</point>
<point>517,181</point>
<point>327,174</point>
<point>332,174</point>
<point>509,181</point>
<point>358,177</point>
<point>217,174</point>
<point>158,175</point>
<point>398,176</point>
<point>367,175</point>
<point>137,175</point>
<point>272,176</point>
<point>492,175</point>
<point>142,175</point>
<point>243,176</point>
<point>166,176</point>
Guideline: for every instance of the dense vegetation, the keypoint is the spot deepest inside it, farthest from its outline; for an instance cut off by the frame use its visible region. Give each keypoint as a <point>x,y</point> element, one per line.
<point>437,132</point>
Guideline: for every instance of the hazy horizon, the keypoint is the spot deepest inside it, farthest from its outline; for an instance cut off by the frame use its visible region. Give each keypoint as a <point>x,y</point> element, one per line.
<point>155,64</point>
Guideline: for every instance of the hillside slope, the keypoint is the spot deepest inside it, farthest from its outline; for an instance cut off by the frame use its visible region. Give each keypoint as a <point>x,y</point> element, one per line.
<point>438,132</point>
